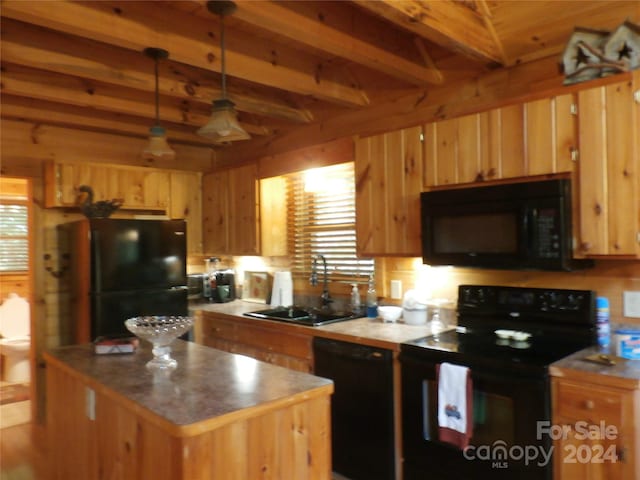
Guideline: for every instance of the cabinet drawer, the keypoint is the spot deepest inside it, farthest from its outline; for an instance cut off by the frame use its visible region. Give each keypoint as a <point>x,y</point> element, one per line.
<point>576,402</point>
<point>269,339</point>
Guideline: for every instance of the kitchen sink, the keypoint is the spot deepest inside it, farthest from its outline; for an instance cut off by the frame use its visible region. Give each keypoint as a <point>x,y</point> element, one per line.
<point>302,316</point>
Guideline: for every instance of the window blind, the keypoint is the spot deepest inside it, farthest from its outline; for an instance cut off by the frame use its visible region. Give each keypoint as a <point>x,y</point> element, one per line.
<point>321,220</point>
<point>14,247</point>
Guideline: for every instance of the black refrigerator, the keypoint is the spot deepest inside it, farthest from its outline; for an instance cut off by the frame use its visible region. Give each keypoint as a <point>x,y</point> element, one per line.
<point>123,268</point>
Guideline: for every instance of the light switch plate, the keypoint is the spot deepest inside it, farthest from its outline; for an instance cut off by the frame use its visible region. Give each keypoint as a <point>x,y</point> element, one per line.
<point>396,289</point>
<point>631,303</point>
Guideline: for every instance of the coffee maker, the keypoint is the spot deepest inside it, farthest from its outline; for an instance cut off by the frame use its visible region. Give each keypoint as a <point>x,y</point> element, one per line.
<point>220,282</point>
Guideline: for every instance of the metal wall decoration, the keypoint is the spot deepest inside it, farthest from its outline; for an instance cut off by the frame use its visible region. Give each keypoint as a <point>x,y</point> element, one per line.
<point>63,265</point>
<point>597,53</point>
<point>99,209</point>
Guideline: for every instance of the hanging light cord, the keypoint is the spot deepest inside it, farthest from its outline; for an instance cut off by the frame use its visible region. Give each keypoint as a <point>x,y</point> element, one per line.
<point>222,59</point>
<point>157,96</point>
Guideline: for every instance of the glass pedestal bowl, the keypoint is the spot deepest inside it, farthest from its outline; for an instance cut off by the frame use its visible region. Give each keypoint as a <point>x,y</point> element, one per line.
<point>160,331</point>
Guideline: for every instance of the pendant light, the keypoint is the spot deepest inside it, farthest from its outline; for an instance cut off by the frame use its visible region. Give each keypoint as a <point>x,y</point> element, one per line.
<point>157,148</point>
<point>223,125</point>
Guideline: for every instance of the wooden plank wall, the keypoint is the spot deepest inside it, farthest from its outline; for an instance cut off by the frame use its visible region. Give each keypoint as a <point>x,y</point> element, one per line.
<point>608,278</point>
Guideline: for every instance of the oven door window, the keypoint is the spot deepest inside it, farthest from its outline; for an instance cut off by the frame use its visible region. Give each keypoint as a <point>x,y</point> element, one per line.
<point>493,415</point>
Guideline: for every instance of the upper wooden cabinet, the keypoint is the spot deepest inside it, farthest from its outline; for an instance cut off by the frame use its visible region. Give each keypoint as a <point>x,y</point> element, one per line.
<point>519,140</point>
<point>177,193</point>
<point>273,216</point>
<point>140,188</point>
<point>388,170</point>
<point>186,202</point>
<point>609,198</point>
<point>230,212</point>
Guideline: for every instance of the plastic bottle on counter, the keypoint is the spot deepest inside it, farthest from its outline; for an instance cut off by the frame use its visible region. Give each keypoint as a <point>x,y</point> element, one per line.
<point>602,321</point>
<point>355,303</point>
<point>372,298</point>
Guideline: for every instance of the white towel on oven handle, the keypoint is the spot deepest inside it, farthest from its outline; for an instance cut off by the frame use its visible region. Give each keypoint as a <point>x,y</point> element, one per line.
<point>452,397</point>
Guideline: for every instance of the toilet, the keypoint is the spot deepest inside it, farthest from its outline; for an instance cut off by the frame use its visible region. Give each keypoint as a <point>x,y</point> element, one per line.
<point>16,340</point>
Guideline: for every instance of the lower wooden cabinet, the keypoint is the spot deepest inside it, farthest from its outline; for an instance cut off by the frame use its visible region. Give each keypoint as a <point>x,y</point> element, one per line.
<point>595,428</point>
<point>266,343</point>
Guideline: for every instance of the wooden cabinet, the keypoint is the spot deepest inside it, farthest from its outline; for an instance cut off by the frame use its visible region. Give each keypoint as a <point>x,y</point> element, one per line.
<point>177,193</point>
<point>388,171</point>
<point>609,183</point>
<point>140,188</point>
<point>534,138</point>
<point>216,417</point>
<point>230,212</point>
<point>270,343</point>
<point>595,428</point>
<point>273,216</point>
<point>186,202</point>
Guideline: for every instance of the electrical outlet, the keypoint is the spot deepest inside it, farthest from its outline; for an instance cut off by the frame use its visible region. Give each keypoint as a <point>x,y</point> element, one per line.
<point>90,403</point>
<point>631,302</point>
<point>396,289</point>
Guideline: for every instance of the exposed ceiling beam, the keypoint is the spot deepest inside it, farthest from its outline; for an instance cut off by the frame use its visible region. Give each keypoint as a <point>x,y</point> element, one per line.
<point>277,18</point>
<point>85,62</point>
<point>129,27</point>
<point>444,22</point>
<point>50,113</point>
<point>74,91</point>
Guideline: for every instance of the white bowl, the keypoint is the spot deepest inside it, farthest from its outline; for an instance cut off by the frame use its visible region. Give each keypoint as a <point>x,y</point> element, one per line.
<point>415,316</point>
<point>505,334</point>
<point>389,313</point>
<point>521,336</point>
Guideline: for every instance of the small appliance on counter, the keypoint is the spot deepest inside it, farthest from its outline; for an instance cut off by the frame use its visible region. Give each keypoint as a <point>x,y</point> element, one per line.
<point>219,282</point>
<point>195,286</point>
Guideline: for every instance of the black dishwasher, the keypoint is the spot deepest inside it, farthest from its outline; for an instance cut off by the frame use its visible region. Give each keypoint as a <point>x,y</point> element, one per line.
<point>362,424</point>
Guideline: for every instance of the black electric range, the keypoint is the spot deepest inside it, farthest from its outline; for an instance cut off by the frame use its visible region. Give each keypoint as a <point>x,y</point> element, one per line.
<point>507,337</point>
<point>517,328</point>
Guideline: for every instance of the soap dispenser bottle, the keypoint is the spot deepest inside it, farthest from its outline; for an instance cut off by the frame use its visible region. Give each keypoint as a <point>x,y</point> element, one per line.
<point>356,303</point>
<point>372,298</point>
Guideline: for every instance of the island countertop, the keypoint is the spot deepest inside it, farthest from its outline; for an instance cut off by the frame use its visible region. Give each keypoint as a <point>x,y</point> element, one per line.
<point>208,389</point>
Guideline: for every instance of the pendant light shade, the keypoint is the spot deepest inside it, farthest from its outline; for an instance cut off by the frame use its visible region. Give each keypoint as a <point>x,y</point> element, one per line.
<point>223,125</point>
<point>157,148</point>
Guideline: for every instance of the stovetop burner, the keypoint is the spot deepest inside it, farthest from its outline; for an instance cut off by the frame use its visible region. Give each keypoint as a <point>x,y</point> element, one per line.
<point>536,327</point>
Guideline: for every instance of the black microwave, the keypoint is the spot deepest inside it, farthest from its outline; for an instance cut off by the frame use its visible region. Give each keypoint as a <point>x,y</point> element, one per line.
<point>509,226</point>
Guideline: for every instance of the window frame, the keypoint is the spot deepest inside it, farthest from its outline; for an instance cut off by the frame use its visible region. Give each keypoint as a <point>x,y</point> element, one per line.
<point>314,229</point>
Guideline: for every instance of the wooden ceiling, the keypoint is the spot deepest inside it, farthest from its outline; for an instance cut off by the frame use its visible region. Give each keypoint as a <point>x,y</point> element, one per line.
<point>290,65</point>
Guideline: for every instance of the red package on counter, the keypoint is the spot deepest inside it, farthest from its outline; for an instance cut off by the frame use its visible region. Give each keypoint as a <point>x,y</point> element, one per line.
<point>115,345</point>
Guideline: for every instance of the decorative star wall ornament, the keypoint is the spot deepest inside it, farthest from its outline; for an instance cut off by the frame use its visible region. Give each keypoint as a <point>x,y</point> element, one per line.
<point>596,53</point>
<point>625,52</point>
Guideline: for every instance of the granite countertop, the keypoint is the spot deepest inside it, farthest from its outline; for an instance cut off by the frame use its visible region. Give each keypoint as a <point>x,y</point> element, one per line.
<point>209,388</point>
<point>623,373</point>
<point>365,331</point>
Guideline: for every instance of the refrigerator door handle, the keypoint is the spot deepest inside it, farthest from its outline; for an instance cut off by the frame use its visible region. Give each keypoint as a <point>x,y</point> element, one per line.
<point>96,261</point>
<point>180,287</point>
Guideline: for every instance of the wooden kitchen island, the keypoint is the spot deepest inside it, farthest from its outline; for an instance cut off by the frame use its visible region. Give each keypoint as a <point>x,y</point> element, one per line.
<point>217,416</point>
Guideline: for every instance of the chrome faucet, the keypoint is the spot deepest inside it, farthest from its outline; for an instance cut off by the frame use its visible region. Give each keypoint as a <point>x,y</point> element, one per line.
<point>313,279</point>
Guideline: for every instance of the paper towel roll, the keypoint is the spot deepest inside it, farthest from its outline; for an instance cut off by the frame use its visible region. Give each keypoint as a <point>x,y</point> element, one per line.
<point>282,292</point>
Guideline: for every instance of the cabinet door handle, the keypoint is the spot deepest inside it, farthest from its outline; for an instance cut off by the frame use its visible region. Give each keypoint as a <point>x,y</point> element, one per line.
<point>589,404</point>
<point>622,454</point>
<point>573,152</point>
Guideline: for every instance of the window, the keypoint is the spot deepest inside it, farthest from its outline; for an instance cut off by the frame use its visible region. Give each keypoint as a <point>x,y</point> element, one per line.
<point>14,246</point>
<point>321,221</point>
